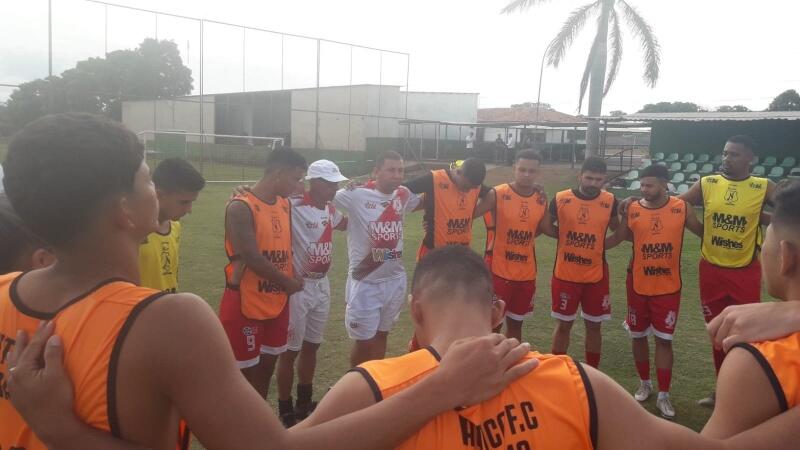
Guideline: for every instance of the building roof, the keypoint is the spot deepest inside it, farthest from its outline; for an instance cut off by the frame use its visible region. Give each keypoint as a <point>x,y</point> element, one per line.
<point>707,116</point>
<point>523,114</point>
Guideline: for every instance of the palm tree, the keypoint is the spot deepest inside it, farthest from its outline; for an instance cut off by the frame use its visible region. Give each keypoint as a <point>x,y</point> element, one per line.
<point>600,73</point>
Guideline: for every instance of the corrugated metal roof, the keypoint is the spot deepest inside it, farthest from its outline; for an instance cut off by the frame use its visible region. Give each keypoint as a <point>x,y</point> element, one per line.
<point>523,114</point>
<point>708,116</point>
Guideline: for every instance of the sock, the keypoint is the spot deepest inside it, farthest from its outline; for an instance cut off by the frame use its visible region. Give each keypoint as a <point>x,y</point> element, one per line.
<point>643,368</point>
<point>719,356</point>
<point>304,392</point>
<point>553,352</point>
<point>593,359</point>
<point>664,379</point>
<point>662,394</point>
<point>285,406</point>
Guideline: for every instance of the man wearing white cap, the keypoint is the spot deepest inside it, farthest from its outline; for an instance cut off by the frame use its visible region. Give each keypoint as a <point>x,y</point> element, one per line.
<point>313,220</point>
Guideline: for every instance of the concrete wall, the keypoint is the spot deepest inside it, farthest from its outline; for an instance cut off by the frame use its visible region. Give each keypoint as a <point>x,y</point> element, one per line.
<point>440,106</point>
<point>182,114</point>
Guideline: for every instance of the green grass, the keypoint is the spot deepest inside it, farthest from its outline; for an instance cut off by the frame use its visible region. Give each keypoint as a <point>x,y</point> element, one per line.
<point>693,377</point>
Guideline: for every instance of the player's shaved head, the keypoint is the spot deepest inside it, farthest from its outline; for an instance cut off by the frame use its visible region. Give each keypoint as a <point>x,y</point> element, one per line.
<point>786,215</point>
<point>453,272</point>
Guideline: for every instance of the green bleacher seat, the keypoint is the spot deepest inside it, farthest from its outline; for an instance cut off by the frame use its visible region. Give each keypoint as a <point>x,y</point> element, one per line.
<point>759,171</point>
<point>671,157</point>
<point>706,169</point>
<point>683,188</point>
<point>693,178</point>
<point>770,161</point>
<point>679,177</point>
<point>646,163</point>
<point>716,160</point>
<point>789,162</point>
<point>658,156</point>
<point>662,163</point>
<point>675,167</point>
<point>776,172</point>
<point>690,168</point>
<point>794,173</point>
<point>702,158</point>
<point>689,157</point>
<point>632,175</point>
<point>635,185</point>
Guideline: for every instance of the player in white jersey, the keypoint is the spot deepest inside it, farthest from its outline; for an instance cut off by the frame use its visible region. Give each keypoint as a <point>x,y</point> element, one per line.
<point>376,282</point>
<point>313,220</point>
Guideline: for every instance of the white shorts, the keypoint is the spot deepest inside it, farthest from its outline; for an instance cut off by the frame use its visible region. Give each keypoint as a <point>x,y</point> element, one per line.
<point>373,307</point>
<point>308,313</point>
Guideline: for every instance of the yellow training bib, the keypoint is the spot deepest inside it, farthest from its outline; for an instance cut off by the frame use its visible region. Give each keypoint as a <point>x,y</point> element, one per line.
<point>158,259</point>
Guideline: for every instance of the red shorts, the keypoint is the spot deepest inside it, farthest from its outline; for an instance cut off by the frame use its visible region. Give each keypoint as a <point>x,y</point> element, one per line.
<point>517,295</point>
<point>594,299</point>
<point>651,315</point>
<point>721,287</point>
<point>250,338</point>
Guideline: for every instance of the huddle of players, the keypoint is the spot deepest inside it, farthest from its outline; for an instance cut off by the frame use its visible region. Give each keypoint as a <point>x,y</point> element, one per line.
<point>161,370</point>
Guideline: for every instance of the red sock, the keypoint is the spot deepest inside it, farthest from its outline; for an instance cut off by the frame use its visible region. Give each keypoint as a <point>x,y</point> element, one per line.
<point>664,379</point>
<point>719,356</point>
<point>643,367</point>
<point>593,359</point>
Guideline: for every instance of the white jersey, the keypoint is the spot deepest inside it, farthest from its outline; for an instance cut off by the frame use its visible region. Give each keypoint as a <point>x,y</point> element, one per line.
<point>375,230</point>
<point>312,236</point>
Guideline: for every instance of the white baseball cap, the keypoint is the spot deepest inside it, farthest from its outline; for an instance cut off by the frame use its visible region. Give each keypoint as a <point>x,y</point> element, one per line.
<point>326,170</point>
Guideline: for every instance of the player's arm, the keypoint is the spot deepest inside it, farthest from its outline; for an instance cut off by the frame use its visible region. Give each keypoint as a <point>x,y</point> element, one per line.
<point>618,414</point>
<point>692,223</point>
<point>745,397</point>
<point>342,225</point>
<point>769,200</point>
<point>694,196</point>
<point>241,231</point>
<point>754,322</point>
<point>485,204</point>
<point>547,225</point>
<point>423,184</point>
<point>613,224</point>
<point>621,234</point>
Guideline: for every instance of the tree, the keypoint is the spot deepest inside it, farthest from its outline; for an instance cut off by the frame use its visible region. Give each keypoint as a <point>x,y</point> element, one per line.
<point>532,105</point>
<point>786,101</point>
<point>99,85</point>
<point>671,107</point>
<point>600,73</point>
<point>734,108</point>
<point>617,113</point>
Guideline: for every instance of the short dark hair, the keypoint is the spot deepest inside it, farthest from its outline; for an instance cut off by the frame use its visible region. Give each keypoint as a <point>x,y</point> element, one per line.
<point>594,164</point>
<point>787,205</point>
<point>285,158</point>
<point>528,154</point>
<point>453,268</point>
<point>61,167</point>
<point>390,155</point>
<point>744,140</point>
<point>655,170</point>
<point>474,170</point>
<point>15,238</point>
<point>177,175</point>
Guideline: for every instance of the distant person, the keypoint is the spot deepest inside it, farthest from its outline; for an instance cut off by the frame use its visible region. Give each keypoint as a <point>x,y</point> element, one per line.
<point>511,144</point>
<point>470,144</point>
<point>20,249</point>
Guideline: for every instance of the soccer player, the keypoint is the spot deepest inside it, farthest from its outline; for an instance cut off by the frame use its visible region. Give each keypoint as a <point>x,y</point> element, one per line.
<point>515,211</point>
<point>580,276</point>
<point>260,276</point>
<point>450,200</point>
<point>563,404</point>
<point>313,220</point>
<point>730,271</point>
<point>20,250</point>
<point>177,185</point>
<point>656,224</point>
<point>376,280</point>
<point>140,357</point>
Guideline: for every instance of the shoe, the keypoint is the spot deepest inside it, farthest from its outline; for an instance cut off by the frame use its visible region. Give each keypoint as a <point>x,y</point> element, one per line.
<point>644,391</point>
<point>286,413</point>
<point>303,410</point>
<point>665,406</point>
<point>288,419</point>
<point>709,401</point>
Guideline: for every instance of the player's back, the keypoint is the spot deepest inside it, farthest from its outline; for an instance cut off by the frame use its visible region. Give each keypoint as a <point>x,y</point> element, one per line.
<point>551,408</point>
<point>780,360</point>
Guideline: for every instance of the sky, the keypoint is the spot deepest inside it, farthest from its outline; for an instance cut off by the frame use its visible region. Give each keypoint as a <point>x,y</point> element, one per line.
<point>714,52</point>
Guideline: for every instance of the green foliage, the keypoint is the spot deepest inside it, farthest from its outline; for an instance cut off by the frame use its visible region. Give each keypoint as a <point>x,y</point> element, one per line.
<point>734,108</point>
<point>671,107</point>
<point>100,85</point>
<point>786,101</point>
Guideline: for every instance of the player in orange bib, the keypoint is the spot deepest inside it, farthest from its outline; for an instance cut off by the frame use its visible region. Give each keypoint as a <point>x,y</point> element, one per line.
<point>580,274</point>
<point>259,276</point>
<point>656,225</point>
<point>563,404</point>
<point>515,211</point>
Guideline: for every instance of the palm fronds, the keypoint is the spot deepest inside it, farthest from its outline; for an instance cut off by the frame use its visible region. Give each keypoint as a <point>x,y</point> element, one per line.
<point>615,49</point>
<point>570,29</point>
<point>521,5</point>
<point>644,32</point>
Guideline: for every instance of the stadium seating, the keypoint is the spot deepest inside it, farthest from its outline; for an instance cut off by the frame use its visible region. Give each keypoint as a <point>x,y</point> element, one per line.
<point>675,167</point>
<point>678,177</point>
<point>672,157</point>
<point>717,160</point>
<point>682,188</point>
<point>770,161</point>
<point>635,185</point>
<point>690,168</point>
<point>688,157</point>
<point>693,178</point>
<point>759,171</point>
<point>646,163</point>
<point>632,175</point>
<point>658,157</point>
<point>662,163</point>
<point>706,169</point>
<point>702,158</point>
<point>776,172</point>
<point>756,160</point>
<point>794,173</point>
<point>789,162</point>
